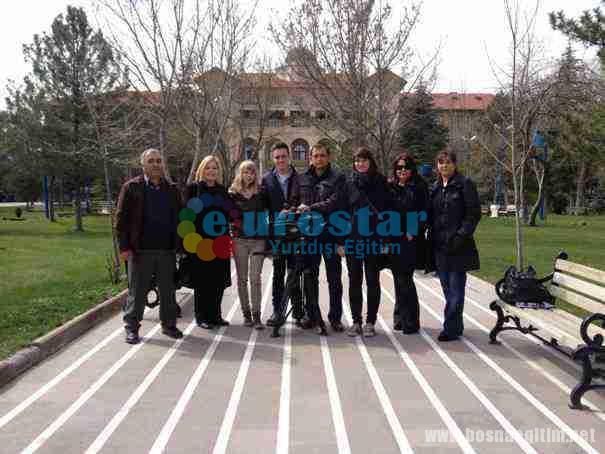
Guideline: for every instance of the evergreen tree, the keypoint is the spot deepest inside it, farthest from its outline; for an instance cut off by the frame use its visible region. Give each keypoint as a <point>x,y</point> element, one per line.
<point>71,65</point>
<point>421,132</point>
<point>589,28</point>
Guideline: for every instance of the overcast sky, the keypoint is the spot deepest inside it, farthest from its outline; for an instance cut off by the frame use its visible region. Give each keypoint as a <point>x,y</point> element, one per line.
<point>469,29</point>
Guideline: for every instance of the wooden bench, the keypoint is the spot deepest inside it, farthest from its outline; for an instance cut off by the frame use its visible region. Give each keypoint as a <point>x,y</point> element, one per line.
<point>580,286</point>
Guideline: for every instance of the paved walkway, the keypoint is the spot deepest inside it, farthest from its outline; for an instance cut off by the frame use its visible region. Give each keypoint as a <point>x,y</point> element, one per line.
<point>240,391</point>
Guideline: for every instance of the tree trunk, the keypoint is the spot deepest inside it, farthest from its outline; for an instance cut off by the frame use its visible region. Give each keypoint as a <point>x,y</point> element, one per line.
<point>196,155</point>
<point>51,200</point>
<point>536,207</point>
<point>580,185</point>
<point>78,227</point>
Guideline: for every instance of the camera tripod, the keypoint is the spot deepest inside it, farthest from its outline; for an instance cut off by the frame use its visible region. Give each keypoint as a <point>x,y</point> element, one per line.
<point>299,276</point>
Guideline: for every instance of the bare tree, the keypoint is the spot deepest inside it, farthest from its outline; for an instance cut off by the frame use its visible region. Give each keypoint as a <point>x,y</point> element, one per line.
<point>525,89</point>
<point>354,59</point>
<point>155,39</point>
<point>210,79</point>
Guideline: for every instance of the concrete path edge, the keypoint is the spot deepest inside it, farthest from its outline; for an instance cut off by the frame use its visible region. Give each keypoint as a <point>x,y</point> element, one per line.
<point>49,344</point>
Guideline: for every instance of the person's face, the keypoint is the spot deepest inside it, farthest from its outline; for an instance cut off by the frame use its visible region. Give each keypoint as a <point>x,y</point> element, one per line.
<point>211,172</point>
<point>248,175</point>
<point>403,174</point>
<point>281,159</point>
<point>153,165</point>
<point>320,158</point>
<point>362,165</point>
<point>446,167</point>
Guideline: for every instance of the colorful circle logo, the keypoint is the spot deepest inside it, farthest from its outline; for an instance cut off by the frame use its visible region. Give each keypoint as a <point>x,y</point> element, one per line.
<point>206,249</point>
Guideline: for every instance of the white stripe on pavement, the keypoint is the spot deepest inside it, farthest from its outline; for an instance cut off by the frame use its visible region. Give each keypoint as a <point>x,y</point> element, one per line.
<point>400,438</point>
<point>102,438</point>
<point>162,440</point>
<point>572,434</point>
<point>558,383</point>
<point>55,381</point>
<point>342,439</point>
<point>424,384</point>
<point>283,425</point>
<point>220,447</point>
<point>73,408</point>
<point>502,420</point>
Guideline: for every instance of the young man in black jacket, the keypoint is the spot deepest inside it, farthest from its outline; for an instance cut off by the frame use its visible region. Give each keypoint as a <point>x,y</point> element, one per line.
<point>321,191</point>
<point>281,190</point>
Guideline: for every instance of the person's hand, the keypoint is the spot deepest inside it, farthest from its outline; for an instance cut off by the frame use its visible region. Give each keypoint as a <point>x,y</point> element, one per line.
<point>125,255</point>
<point>410,237</point>
<point>340,250</point>
<point>302,208</point>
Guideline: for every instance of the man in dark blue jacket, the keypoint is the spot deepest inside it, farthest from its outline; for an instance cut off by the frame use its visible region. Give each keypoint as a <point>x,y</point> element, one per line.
<point>281,190</point>
<point>321,191</point>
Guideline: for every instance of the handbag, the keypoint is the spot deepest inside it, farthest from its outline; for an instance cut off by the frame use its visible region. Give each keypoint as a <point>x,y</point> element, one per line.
<point>184,271</point>
<point>523,289</point>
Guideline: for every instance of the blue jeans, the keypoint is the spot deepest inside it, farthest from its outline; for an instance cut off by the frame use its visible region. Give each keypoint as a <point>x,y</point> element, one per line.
<point>453,283</point>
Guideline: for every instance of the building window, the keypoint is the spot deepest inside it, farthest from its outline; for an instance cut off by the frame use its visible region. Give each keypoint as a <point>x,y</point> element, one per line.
<point>300,149</point>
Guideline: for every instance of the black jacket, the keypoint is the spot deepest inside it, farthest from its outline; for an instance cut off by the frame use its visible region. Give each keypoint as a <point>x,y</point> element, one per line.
<point>413,197</point>
<point>454,212</point>
<point>274,196</point>
<point>215,272</point>
<point>370,192</point>
<point>322,193</point>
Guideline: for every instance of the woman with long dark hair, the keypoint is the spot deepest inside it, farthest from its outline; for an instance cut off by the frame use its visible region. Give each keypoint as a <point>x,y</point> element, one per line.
<point>410,199</point>
<point>454,212</point>
<point>368,190</point>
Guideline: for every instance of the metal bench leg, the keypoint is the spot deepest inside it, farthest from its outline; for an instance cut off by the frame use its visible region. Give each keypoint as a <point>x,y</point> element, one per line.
<point>499,323</point>
<point>588,373</point>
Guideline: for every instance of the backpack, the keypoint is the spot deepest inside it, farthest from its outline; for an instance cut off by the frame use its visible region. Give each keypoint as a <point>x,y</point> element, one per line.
<point>523,289</point>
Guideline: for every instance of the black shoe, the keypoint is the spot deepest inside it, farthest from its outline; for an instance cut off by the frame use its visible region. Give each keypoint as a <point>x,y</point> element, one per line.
<point>297,322</point>
<point>273,320</point>
<point>444,337</point>
<point>221,322</point>
<point>132,337</point>
<point>172,331</point>
<point>398,326</point>
<point>321,330</point>
<point>205,325</point>
<point>337,327</point>
<point>307,323</point>
<point>410,330</point>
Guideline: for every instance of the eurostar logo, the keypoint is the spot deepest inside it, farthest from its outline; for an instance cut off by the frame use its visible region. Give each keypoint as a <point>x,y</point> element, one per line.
<point>207,249</point>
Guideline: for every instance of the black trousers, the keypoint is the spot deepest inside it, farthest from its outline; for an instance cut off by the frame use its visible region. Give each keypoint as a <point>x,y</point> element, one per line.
<point>356,267</point>
<point>142,266</point>
<point>407,310</point>
<point>281,262</point>
<point>207,302</point>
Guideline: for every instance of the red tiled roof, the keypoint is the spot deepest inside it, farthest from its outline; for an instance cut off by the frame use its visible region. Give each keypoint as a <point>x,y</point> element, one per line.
<point>462,101</point>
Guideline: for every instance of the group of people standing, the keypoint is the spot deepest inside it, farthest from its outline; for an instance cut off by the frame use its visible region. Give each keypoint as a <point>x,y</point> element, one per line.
<point>147,218</point>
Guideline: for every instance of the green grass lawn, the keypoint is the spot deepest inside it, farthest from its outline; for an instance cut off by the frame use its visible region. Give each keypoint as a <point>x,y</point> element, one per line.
<point>582,237</point>
<point>49,274</point>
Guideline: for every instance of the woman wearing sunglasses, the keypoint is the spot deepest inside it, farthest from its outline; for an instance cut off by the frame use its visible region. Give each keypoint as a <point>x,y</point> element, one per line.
<point>410,199</point>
